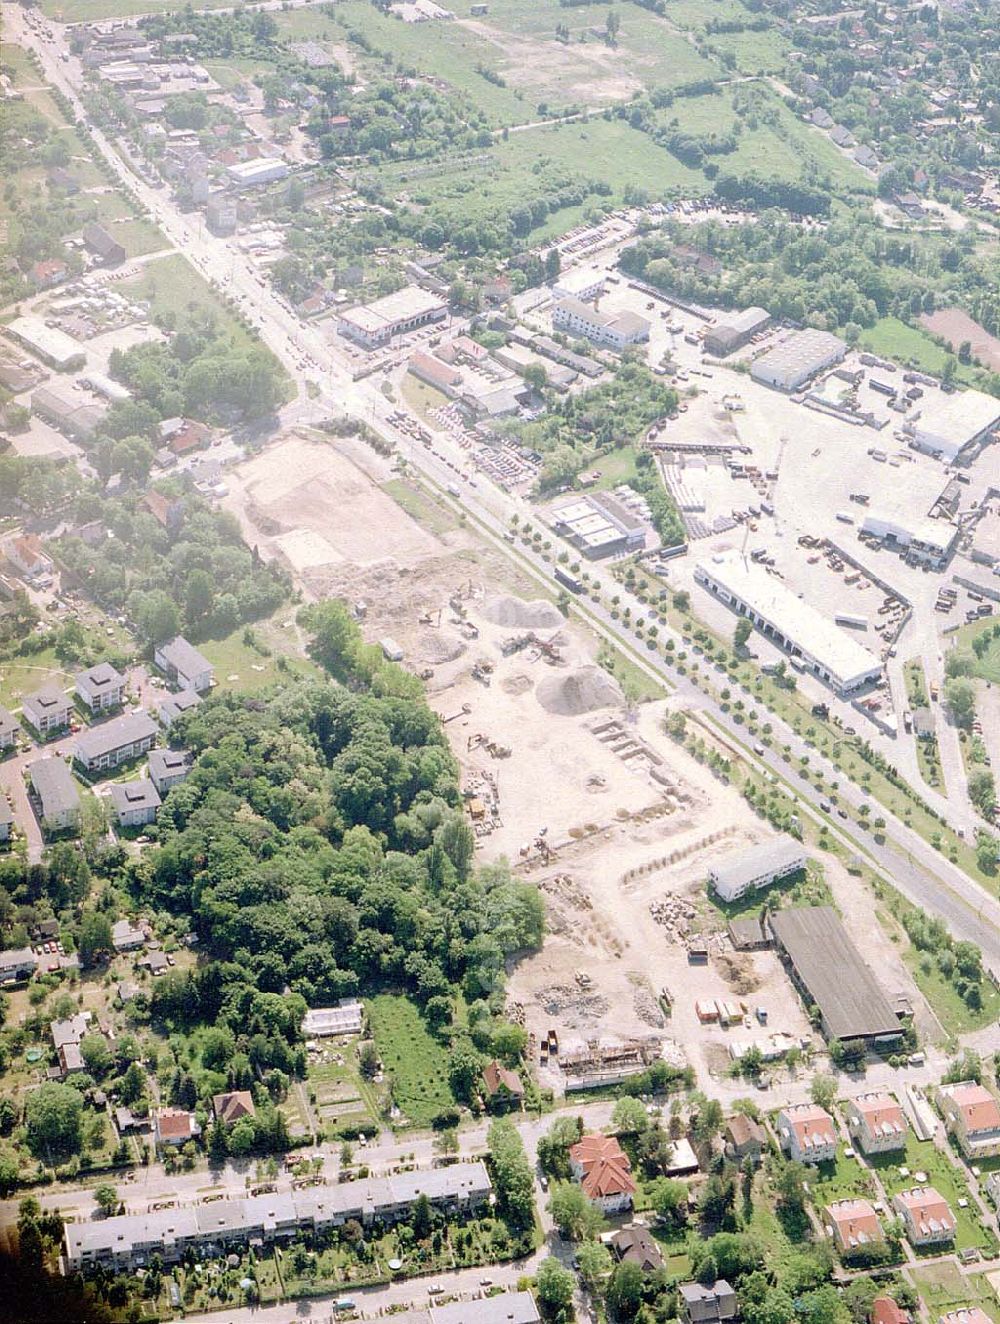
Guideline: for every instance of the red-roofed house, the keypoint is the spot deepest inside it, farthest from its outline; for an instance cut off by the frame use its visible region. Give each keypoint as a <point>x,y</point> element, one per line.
<point>167,511</point>
<point>174,1126</point>
<point>926,1214</point>
<point>807,1133</point>
<point>48,273</point>
<point>972,1116</point>
<point>427,368</point>
<point>855,1225</point>
<point>233,1107</point>
<point>503,1087</point>
<point>603,1170</point>
<point>886,1311</point>
<point>876,1122</point>
<point>29,556</point>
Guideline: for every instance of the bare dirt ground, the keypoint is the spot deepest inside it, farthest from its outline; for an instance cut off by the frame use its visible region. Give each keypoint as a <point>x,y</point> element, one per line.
<point>318,506</point>
<point>590,73</point>
<point>955,325</point>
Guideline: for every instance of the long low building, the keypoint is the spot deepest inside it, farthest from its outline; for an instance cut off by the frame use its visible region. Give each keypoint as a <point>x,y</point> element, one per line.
<point>374,324</point>
<point>945,424</point>
<point>598,525</point>
<point>129,1240</point>
<point>115,742</point>
<point>47,343</point>
<point>745,871</point>
<point>798,359</point>
<point>815,642</point>
<point>828,968</point>
<point>78,421</point>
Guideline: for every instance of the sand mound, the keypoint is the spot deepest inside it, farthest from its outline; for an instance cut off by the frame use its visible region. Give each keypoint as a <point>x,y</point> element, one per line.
<point>516,685</point>
<point>536,615</point>
<point>580,692</point>
<point>437,648</point>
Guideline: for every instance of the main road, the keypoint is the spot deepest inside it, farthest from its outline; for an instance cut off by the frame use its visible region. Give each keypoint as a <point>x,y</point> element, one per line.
<point>924,876</point>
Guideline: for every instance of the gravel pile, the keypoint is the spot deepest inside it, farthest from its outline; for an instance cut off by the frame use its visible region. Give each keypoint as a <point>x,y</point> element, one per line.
<point>536,615</point>
<point>578,692</point>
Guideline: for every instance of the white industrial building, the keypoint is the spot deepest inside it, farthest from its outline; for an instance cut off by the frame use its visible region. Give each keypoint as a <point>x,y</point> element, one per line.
<point>616,330</point>
<point>943,424</point>
<point>47,343</point>
<point>264,170</point>
<point>815,643</point>
<point>798,359</point>
<point>923,540</point>
<point>374,324</point>
<point>745,871</point>
<point>584,283</point>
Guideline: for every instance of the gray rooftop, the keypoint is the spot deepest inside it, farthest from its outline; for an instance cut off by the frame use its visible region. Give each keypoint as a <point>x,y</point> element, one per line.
<point>836,977</point>
<point>103,676</point>
<point>175,704</point>
<point>741,867</point>
<point>129,796</point>
<point>184,657</point>
<point>125,730</point>
<point>168,762</point>
<point>49,699</point>
<point>8,722</point>
<point>54,787</point>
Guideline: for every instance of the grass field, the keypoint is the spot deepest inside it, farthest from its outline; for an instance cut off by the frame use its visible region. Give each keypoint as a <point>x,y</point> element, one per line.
<point>943,1288</point>
<point>753,52</point>
<point>908,345</point>
<point>844,1179</point>
<point>250,668</point>
<point>412,1057</point>
<point>420,505</point>
<point>341,1101</point>
<point>20,678</point>
<point>80,11</point>
<point>172,284</point>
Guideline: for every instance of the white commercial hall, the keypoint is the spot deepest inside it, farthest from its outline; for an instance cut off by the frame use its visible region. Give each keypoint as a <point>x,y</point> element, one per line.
<point>805,634</point>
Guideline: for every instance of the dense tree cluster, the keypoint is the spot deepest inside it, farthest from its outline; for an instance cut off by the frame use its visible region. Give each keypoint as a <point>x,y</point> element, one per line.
<point>147,570</point>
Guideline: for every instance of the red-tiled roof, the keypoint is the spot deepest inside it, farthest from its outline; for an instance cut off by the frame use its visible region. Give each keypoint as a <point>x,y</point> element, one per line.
<point>606,1168</point>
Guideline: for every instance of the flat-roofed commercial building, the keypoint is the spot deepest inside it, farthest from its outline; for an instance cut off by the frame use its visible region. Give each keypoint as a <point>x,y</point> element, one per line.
<point>798,359</point>
<point>945,424</point>
<point>598,525</point>
<point>580,283</point>
<point>732,333</point>
<point>759,866</point>
<point>374,324</point>
<point>805,634</point>
<point>615,330</point>
<point>263,170</point>
<point>77,421</point>
<point>47,343</point>
<point>831,973</point>
<point>921,539</point>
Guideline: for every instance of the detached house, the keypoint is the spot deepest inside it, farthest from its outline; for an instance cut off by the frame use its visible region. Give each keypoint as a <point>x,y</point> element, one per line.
<point>135,803</point>
<point>168,767</point>
<point>854,1225</point>
<point>807,1133</point>
<point>174,1126</point>
<point>604,1172</point>
<point>502,1087</point>
<point>101,688</point>
<point>926,1216</point>
<point>233,1107</point>
<point>700,1304</point>
<point>743,1138</point>
<point>876,1123</point>
<point>972,1116</point>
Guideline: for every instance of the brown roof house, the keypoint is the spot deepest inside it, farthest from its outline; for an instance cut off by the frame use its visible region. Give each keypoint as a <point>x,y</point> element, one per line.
<point>502,1086</point>
<point>886,1311</point>
<point>744,1138</point>
<point>604,1172</point>
<point>233,1107</point>
<point>174,1126</point>
<point>637,1246</point>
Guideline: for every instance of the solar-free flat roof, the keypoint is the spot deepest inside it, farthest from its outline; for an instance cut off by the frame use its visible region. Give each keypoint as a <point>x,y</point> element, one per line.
<point>834,973</point>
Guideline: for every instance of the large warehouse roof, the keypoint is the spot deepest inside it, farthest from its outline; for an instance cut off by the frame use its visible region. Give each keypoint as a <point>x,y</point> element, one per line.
<point>843,657</point>
<point>830,967</point>
<point>959,417</point>
<point>740,869</point>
